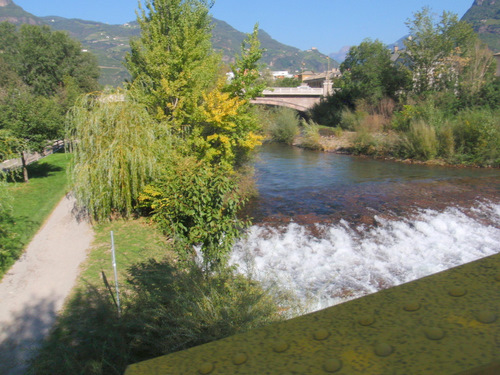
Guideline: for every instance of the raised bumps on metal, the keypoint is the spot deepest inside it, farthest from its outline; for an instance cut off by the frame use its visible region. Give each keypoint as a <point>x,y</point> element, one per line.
<point>446,323</point>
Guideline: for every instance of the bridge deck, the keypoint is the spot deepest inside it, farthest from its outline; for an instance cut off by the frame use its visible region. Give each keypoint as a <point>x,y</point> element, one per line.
<point>293,91</point>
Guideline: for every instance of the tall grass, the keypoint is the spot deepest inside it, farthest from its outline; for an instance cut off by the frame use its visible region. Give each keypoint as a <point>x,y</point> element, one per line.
<point>311,136</point>
<point>284,125</point>
<point>420,142</point>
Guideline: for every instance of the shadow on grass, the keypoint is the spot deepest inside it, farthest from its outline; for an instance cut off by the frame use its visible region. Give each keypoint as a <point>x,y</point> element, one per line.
<point>21,336</point>
<point>165,308</point>
<point>39,169</point>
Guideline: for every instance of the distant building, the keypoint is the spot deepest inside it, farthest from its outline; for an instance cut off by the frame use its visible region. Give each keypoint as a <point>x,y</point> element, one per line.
<point>306,74</point>
<point>280,74</point>
<point>318,80</point>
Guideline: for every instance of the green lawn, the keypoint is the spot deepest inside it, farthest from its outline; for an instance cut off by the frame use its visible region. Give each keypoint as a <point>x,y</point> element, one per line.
<point>135,241</point>
<point>34,201</point>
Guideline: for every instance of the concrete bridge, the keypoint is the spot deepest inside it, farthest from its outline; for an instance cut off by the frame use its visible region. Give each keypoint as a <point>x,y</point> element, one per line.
<point>301,98</point>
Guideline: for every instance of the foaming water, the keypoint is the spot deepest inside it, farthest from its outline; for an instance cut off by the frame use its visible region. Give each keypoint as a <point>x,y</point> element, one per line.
<point>339,261</point>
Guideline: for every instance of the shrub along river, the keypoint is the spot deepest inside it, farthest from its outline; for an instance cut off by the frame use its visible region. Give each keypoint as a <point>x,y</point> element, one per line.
<point>334,227</point>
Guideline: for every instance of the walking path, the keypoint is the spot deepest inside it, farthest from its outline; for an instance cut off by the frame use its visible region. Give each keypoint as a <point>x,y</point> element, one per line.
<point>34,289</point>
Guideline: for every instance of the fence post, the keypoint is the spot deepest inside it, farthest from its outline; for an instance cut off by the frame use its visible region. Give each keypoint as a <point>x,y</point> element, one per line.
<point>116,274</point>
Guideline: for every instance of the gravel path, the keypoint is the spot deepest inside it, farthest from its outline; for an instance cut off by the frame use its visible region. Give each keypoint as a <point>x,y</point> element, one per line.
<point>34,289</point>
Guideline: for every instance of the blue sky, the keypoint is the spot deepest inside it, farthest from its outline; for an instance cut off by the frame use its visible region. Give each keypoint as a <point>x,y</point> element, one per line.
<point>325,24</point>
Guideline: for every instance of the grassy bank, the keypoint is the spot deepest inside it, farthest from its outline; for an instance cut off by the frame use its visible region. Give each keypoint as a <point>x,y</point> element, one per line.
<point>420,133</point>
<point>166,305</point>
<point>32,203</point>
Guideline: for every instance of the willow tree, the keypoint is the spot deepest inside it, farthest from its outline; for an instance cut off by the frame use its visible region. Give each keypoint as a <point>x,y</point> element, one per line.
<point>114,157</point>
<point>172,63</point>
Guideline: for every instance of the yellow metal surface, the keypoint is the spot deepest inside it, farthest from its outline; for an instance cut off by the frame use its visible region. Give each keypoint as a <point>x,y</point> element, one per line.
<point>447,323</point>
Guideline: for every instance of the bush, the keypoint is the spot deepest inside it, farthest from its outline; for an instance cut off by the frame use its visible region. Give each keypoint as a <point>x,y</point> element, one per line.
<point>446,142</point>
<point>351,120</point>
<point>285,126</point>
<point>477,137</point>
<point>165,308</point>
<point>364,143</point>
<point>196,204</point>
<point>311,136</point>
<point>420,142</point>
<point>8,253</point>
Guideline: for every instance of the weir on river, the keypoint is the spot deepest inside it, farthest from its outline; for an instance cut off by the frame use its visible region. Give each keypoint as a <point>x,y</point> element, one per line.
<point>332,227</point>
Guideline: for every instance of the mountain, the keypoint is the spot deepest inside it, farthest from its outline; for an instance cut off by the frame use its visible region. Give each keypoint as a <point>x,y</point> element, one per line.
<point>15,14</point>
<point>340,54</point>
<point>111,42</point>
<point>484,15</point>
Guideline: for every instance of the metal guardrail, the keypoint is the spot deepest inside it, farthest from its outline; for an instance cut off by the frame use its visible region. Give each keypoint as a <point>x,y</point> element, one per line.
<point>447,323</point>
<point>309,91</point>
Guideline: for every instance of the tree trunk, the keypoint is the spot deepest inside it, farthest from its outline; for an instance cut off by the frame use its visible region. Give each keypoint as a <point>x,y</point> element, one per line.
<point>25,167</point>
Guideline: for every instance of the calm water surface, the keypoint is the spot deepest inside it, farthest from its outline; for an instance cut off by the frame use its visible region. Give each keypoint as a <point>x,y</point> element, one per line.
<point>307,186</point>
<point>333,227</point>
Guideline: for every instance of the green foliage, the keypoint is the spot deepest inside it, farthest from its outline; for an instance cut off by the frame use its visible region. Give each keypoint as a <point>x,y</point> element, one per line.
<point>286,82</point>
<point>113,140</point>
<point>368,67</point>
<point>194,308</point>
<point>477,137</point>
<point>196,204</point>
<point>46,57</point>
<point>352,120</point>
<point>10,146</point>
<point>6,254</point>
<point>284,126</point>
<point>166,308</point>
<point>420,142</point>
<point>33,120</point>
<point>172,64</point>
<point>245,83</point>
<point>435,49</point>
<point>311,136</point>
<point>329,111</point>
<point>364,142</point>
<point>485,18</point>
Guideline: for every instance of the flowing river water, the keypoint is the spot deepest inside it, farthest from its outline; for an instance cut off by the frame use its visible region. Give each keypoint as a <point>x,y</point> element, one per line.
<point>333,227</point>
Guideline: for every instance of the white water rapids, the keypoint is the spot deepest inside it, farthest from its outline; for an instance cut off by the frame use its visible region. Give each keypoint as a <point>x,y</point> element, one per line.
<point>345,261</point>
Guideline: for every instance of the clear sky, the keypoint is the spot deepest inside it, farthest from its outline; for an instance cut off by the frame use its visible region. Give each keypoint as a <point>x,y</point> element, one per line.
<point>325,24</point>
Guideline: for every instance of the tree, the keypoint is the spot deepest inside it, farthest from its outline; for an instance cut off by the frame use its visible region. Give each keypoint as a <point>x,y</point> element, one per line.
<point>114,157</point>
<point>245,82</point>
<point>47,58</point>
<point>32,120</point>
<point>435,49</point>
<point>478,72</point>
<point>172,64</point>
<point>369,71</point>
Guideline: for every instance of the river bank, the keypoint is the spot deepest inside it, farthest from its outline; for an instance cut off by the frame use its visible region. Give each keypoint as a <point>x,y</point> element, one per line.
<point>344,143</point>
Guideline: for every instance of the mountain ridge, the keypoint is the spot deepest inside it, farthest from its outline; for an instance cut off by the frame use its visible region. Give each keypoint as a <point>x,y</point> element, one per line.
<point>484,15</point>
<point>111,42</point>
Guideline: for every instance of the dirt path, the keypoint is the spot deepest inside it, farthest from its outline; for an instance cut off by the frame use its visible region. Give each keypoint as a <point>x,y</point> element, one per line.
<point>34,289</point>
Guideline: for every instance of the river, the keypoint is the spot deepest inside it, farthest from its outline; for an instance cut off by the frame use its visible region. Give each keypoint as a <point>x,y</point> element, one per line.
<point>331,227</point>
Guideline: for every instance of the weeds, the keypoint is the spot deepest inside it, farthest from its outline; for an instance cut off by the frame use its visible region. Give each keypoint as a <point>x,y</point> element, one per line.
<point>166,308</point>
